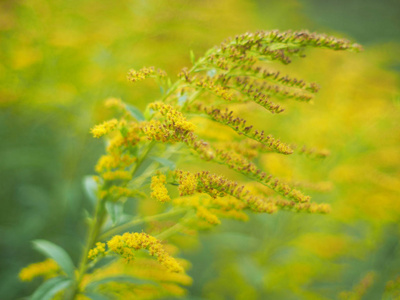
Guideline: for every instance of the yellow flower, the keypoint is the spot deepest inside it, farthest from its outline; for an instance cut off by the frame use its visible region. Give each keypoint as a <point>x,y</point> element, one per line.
<point>126,244</point>
<point>187,183</point>
<point>140,75</point>
<point>104,128</point>
<point>98,250</point>
<point>174,117</point>
<point>47,269</point>
<point>117,175</point>
<point>205,214</point>
<point>159,191</point>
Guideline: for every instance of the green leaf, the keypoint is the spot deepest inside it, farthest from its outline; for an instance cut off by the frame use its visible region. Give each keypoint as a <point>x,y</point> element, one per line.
<point>192,58</point>
<point>51,287</point>
<point>95,296</point>
<point>57,253</point>
<point>119,278</point>
<point>148,114</point>
<point>211,73</point>
<point>165,162</point>
<point>135,112</point>
<point>251,271</point>
<point>115,210</point>
<point>90,186</point>
<point>182,99</point>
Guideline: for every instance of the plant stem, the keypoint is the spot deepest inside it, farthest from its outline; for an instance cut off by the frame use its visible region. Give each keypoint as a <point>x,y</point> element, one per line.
<point>94,231</point>
<point>175,228</point>
<point>134,222</point>
<point>100,216</point>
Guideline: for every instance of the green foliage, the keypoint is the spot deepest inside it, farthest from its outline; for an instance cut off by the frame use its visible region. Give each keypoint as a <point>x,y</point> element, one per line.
<point>56,253</point>
<point>226,75</point>
<point>59,60</point>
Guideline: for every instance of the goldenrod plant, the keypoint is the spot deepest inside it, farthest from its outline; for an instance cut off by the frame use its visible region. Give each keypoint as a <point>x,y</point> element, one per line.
<point>167,171</point>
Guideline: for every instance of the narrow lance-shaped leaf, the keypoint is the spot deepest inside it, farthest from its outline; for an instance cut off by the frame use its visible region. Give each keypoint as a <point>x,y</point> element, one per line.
<point>135,112</point>
<point>50,288</point>
<point>90,186</point>
<point>57,253</point>
<point>192,58</point>
<point>121,278</point>
<point>115,210</point>
<point>165,162</point>
<point>96,296</point>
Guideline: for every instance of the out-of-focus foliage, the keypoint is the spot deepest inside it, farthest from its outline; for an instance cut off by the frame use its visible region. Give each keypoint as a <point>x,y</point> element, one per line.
<point>356,116</point>
<point>60,59</point>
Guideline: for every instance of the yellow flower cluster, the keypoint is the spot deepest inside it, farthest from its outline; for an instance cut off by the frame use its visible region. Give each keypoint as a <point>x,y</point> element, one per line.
<point>100,249</point>
<point>140,75</point>
<point>144,73</point>
<point>127,138</point>
<point>118,163</point>
<point>205,214</point>
<point>104,128</point>
<point>155,130</point>
<point>158,189</point>
<point>275,76</point>
<point>168,283</point>
<point>219,90</point>
<point>239,125</point>
<point>312,152</point>
<point>244,48</point>
<point>218,186</point>
<point>305,207</point>
<point>360,289</point>
<point>48,268</point>
<point>393,288</point>
<point>321,187</point>
<point>126,244</point>
<point>241,165</point>
<point>210,209</point>
<point>187,183</point>
<point>260,89</point>
<point>114,102</point>
<point>247,148</point>
<point>173,116</point>
<point>117,175</point>
<point>109,162</point>
<point>242,91</point>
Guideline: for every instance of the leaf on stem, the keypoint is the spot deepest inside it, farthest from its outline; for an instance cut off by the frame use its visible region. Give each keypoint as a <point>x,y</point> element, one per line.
<point>135,112</point>
<point>50,288</point>
<point>115,210</point>
<point>120,278</point>
<point>90,186</point>
<point>57,253</point>
<point>165,162</point>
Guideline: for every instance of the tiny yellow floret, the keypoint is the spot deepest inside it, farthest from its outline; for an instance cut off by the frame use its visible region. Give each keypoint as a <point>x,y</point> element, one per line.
<point>126,244</point>
<point>47,269</point>
<point>159,191</point>
<point>104,128</point>
<point>95,252</point>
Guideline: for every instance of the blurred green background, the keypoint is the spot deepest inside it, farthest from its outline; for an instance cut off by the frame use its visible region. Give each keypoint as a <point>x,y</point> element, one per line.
<point>60,59</point>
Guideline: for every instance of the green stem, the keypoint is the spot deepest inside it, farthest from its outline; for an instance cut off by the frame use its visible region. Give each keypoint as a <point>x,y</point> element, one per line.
<point>100,215</point>
<point>125,226</point>
<point>141,159</point>
<point>177,227</point>
<point>94,231</point>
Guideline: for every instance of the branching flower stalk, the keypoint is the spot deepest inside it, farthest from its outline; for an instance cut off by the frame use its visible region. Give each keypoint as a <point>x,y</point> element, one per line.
<point>140,157</point>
